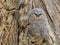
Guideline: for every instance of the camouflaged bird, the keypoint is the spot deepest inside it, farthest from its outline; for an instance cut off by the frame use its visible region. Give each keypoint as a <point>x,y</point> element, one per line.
<point>39,25</point>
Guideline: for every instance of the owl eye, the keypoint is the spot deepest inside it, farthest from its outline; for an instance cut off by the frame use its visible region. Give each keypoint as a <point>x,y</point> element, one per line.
<point>38,14</point>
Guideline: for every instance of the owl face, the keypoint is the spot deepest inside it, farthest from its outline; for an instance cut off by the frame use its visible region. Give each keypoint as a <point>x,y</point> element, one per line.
<point>36,16</point>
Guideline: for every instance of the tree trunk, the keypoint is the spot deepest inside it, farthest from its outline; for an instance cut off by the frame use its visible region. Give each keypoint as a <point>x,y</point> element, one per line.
<point>13,28</point>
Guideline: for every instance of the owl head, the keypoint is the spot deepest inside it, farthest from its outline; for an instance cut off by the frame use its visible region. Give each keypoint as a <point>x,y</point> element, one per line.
<point>35,14</point>
<point>36,11</point>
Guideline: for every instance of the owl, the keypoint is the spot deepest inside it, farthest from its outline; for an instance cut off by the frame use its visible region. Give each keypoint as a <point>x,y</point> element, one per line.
<point>39,26</point>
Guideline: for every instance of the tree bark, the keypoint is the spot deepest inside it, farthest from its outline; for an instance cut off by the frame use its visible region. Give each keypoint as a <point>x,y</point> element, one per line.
<point>12,27</point>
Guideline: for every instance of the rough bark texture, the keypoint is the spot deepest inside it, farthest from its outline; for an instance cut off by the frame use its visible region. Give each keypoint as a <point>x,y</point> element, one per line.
<point>14,22</point>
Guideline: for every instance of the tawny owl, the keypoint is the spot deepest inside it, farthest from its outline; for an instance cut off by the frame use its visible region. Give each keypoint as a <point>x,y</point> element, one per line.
<point>39,25</point>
